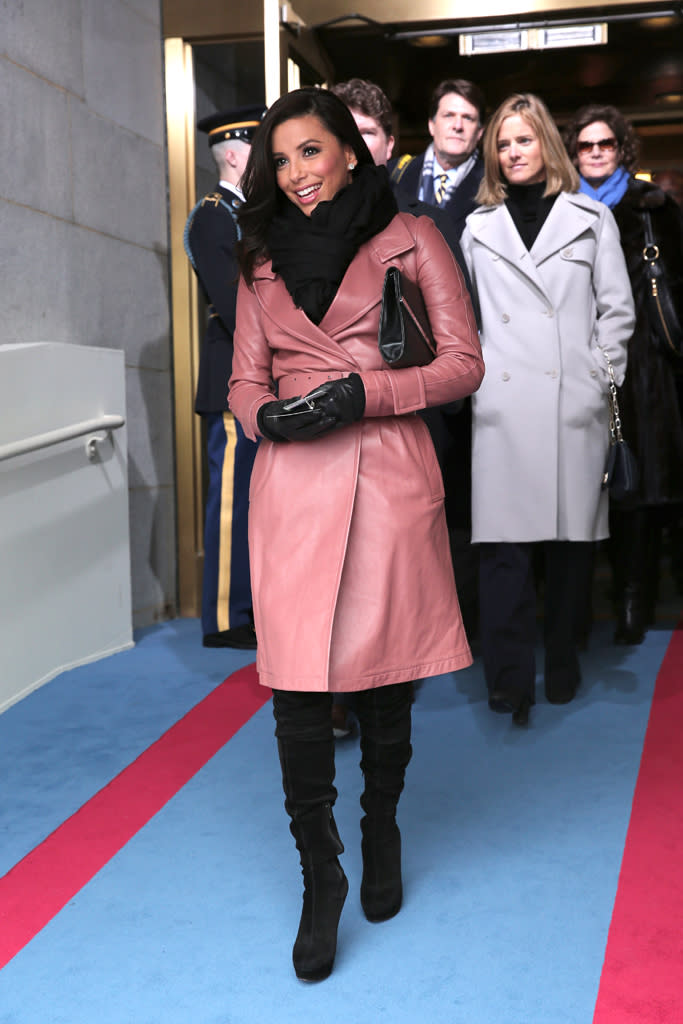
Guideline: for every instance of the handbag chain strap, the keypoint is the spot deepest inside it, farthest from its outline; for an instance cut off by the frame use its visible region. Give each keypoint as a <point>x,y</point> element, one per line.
<point>650,249</point>
<point>654,270</point>
<point>614,418</point>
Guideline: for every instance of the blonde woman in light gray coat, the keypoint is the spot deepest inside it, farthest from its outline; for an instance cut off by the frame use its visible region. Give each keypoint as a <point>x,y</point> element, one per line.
<point>555,302</point>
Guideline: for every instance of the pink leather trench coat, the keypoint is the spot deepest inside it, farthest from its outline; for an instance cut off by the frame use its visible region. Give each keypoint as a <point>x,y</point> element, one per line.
<point>351,570</point>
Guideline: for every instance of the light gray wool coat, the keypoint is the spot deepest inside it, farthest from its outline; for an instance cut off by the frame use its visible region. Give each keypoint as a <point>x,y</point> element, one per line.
<point>540,420</point>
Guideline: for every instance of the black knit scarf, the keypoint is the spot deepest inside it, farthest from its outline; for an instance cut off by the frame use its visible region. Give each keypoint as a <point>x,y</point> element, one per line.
<point>312,253</point>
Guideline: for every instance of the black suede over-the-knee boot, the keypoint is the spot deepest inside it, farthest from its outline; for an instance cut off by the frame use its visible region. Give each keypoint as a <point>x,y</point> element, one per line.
<point>384,715</point>
<point>306,749</point>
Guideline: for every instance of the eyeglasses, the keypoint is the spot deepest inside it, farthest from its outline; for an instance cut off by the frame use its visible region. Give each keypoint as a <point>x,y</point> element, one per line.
<point>604,145</point>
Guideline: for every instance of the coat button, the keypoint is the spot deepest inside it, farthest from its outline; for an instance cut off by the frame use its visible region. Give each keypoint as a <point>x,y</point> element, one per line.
<point>505,318</point>
<point>568,252</point>
<point>594,373</point>
<point>505,375</point>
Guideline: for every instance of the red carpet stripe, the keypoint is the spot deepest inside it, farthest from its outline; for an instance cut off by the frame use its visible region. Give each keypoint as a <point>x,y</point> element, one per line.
<point>41,884</point>
<point>642,976</point>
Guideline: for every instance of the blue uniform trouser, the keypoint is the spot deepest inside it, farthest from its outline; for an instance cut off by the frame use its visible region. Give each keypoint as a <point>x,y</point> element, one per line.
<point>226,592</point>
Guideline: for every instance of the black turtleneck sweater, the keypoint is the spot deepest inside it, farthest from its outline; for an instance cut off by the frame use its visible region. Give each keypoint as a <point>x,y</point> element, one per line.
<point>529,208</point>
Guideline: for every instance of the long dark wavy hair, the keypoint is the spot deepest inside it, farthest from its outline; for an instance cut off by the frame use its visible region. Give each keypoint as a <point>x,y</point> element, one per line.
<point>259,183</point>
<point>629,144</point>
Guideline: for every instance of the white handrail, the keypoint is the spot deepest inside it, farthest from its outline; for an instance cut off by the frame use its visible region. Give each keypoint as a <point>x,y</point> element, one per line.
<point>38,441</point>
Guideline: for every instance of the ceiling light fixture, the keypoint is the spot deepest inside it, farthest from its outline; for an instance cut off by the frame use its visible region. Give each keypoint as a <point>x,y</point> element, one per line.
<point>429,42</point>
<point>662,18</point>
<point>545,38</point>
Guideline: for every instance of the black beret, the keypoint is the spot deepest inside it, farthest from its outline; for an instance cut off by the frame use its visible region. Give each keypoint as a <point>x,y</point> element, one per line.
<point>240,123</point>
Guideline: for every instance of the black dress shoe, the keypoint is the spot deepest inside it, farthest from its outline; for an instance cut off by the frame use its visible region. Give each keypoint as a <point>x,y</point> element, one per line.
<point>243,638</point>
<point>562,683</point>
<point>520,716</point>
<point>502,703</point>
<point>560,691</point>
<point>517,705</point>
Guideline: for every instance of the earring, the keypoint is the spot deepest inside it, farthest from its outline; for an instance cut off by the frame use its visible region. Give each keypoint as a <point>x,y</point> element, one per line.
<point>352,166</point>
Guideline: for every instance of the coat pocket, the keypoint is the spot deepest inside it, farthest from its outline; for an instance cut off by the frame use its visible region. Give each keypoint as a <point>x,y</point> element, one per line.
<point>426,455</point>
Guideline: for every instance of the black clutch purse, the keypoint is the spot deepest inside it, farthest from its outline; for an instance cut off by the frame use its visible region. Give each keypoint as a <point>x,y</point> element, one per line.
<point>405,336</point>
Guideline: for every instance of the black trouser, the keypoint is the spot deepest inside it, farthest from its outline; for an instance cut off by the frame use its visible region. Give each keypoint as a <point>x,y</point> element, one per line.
<point>507,594</point>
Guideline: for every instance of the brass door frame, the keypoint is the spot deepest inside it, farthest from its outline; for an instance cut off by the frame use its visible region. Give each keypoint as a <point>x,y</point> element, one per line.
<point>185,312</point>
<point>180,125</point>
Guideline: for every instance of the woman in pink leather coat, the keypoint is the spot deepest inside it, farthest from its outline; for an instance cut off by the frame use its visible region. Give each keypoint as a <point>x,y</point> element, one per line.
<point>351,570</point>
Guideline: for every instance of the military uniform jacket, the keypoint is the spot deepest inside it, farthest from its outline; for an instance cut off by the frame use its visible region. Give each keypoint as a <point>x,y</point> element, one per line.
<point>212,236</point>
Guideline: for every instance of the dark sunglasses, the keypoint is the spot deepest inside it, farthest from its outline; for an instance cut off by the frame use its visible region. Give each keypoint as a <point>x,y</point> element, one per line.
<point>604,145</point>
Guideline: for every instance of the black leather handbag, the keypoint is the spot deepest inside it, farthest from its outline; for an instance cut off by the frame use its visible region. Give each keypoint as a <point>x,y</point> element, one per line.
<point>621,472</point>
<point>664,320</point>
<point>405,335</point>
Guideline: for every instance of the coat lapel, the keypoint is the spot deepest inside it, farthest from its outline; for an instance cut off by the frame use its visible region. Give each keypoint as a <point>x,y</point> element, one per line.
<point>568,219</point>
<point>494,228</point>
<point>360,290</point>
<point>278,306</point>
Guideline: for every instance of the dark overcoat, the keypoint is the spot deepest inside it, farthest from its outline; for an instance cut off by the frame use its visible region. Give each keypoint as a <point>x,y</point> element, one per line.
<point>649,402</point>
<point>461,201</point>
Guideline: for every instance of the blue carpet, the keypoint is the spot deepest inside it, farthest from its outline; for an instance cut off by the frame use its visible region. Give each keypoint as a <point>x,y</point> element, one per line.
<point>512,845</point>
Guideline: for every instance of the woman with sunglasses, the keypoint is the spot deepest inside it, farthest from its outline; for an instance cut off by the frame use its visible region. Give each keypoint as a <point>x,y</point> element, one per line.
<point>553,293</point>
<point>603,146</point>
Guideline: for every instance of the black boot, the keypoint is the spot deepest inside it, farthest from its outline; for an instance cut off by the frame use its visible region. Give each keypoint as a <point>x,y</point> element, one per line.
<point>325,889</point>
<point>630,616</point>
<point>306,749</point>
<point>384,717</point>
<point>632,543</point>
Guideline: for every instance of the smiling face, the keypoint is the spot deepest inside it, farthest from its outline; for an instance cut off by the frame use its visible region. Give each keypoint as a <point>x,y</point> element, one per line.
<point>519,152</point>
<point>597,162</point>
<point>311,164</point>
<point>455,130</point>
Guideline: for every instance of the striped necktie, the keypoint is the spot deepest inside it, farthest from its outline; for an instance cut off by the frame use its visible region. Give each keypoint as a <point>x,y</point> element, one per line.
<point>440,184</point>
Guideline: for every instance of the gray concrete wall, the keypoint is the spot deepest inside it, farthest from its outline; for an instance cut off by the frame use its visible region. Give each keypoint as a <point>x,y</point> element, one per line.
<point>83,228</point>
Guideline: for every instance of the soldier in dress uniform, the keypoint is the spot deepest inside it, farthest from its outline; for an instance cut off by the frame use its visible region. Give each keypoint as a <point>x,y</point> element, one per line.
<point>211,233</point>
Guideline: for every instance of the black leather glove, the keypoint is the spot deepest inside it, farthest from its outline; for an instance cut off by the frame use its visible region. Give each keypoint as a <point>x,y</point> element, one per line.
<point>293,419</point>
<point>342,400</point>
